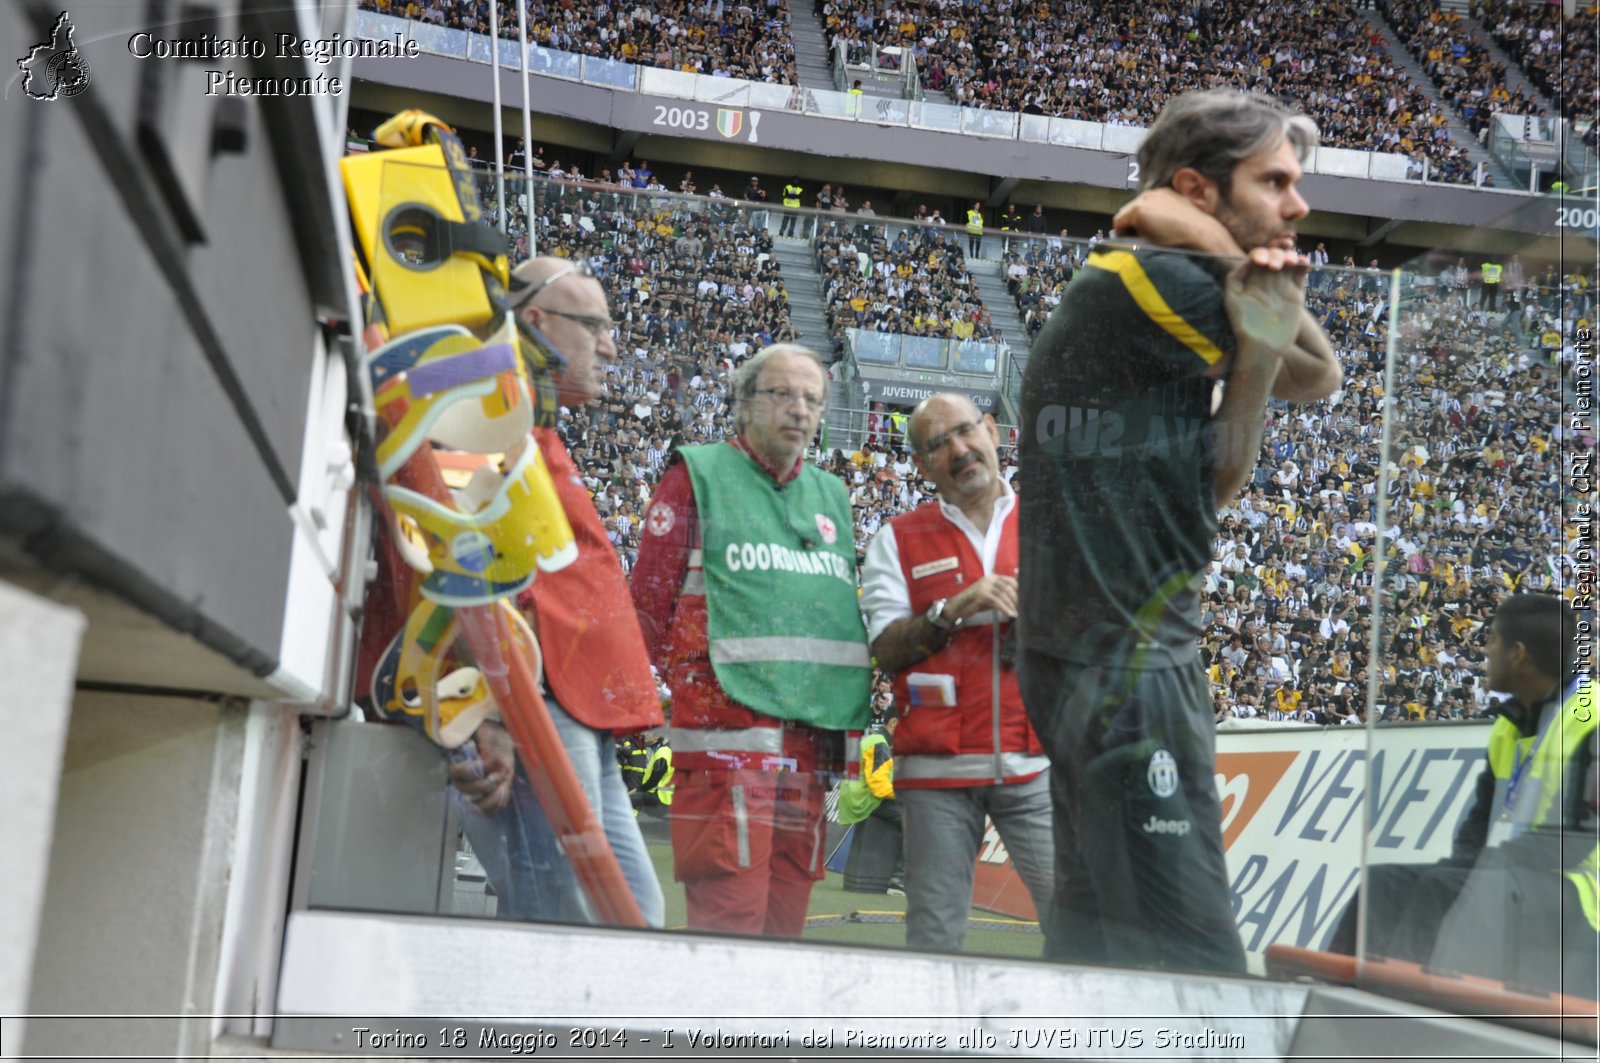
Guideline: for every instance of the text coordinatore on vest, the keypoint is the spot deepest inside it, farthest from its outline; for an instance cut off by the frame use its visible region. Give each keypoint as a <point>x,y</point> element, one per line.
<point>768,556</point>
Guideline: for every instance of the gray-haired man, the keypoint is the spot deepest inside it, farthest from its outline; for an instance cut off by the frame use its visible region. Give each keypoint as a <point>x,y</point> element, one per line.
<point>746,592</point>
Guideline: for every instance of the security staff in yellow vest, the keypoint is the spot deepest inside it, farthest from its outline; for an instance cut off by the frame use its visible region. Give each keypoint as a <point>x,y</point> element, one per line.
<point>791,200</point>
<point>1529,912</point>
<point>897,435</point>
<point>974,230</point>
<point>1491,285</point>
<point>1531,815</point>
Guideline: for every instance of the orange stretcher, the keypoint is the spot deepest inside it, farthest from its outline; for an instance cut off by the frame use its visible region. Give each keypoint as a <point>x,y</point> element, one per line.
<point>1551,1014</point>
<point>510,679</point>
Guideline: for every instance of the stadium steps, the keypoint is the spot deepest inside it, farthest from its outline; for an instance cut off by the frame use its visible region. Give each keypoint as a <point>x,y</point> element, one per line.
<point>991,280</point>
<point>810,50</point>
<point>797,264</point>
<point>1459,133</point>
<point>846,410</point>
<point>1516,78</point>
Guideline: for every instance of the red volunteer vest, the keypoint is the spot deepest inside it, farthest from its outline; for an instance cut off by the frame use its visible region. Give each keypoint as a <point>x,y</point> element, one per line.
<point>937,745</point>
<point>594,657</point>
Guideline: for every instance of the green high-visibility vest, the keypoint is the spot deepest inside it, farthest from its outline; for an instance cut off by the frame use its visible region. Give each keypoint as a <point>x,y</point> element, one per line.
<point>1491,272</point>
<point>783,616</point>
<point>974,221</point>
<point>791,195</point>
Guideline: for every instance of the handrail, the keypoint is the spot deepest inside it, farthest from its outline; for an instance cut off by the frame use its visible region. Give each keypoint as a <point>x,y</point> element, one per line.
<point>915,113</point>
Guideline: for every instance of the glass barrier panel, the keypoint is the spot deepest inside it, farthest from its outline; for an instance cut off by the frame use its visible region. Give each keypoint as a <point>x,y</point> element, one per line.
<point>974,356</point>
<point>923,352</point>
<point>1074,133</point>
<point>1223,804</point>
<point>988,123</point>
<point>1342,161</point>
<point>554,62</point>
<point>1482,847</point>
<point>772,97</point>
<point>658,81</point>
<point>1035,128</point>
<point>439,40</point>
<point>510,50</point>
<point>374,25</point>
<point>478,47</point>
<point>1125,138</point>
<point>731,92</point>
<point>878,348</point>
<point>887,111</point>
<point>831,104</point>
<point>1390,167</point>
<point>611,72</point>
<point>941,116</point>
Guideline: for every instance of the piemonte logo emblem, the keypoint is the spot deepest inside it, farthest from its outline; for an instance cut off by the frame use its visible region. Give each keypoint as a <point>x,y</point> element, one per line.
<point>55,69</point>
<point>729,122</point>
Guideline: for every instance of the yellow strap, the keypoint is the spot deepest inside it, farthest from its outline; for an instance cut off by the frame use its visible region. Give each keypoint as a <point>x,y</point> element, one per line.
<point>1139,285</point>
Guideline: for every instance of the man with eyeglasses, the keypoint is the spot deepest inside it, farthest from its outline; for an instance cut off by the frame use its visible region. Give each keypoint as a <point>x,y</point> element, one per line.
<point>746,591</point>
<point>596,670</point>
<point>939,586</point>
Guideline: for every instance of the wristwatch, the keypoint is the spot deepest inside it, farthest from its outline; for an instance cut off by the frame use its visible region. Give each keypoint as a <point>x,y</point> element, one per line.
<point>935,616</point>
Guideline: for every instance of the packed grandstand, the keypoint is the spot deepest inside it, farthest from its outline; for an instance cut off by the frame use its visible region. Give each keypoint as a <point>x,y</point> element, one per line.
<point>1119,63</point>
<point>1475,506</point>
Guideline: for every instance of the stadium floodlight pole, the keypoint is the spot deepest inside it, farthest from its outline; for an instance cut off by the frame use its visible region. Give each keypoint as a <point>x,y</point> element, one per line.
<point>527,124</point>
<point>499,146</point>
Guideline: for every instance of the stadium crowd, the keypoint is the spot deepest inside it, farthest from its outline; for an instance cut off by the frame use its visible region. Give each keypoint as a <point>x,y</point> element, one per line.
<point>1557,53</point>
<point>1036,273</point>
<point>1120,62</point>
<point>749,40</point>
<point>916,284</point>
<point>1467,75</point>
<point>1475,509</point>
<point>1116,63</point>
<point>1475,483</point>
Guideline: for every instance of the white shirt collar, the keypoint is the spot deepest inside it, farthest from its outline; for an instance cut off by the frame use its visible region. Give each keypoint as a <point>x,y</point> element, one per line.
<point>1002,506</point>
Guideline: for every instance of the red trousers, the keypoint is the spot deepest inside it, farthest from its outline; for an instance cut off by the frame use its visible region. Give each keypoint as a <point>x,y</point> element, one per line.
<point>747,845</point>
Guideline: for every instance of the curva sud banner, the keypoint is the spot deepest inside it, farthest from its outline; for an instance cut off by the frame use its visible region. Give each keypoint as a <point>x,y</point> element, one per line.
<point>1292,815</point>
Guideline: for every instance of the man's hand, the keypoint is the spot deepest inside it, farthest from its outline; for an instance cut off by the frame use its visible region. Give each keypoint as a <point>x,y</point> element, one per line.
<point>1163,217</point>
<point>486,779</point>
<point>911,639</point>
<point>995,592</point>
<point>1265,297</point>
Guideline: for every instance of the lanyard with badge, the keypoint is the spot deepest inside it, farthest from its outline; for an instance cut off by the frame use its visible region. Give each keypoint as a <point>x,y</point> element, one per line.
<point>1510,823</point>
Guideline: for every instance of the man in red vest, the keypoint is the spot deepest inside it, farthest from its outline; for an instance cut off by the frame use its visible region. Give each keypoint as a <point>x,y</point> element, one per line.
<point>596,671</point>
<point>940,592</point>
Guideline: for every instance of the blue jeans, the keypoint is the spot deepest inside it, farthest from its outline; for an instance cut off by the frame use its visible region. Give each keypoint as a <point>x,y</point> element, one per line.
<point>519,850</point>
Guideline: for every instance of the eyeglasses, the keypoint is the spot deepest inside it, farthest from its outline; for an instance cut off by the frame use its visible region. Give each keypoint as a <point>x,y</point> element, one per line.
<point>964,432</point>
<point>523,291</point>
<point>785,397</point>
<point>599,327</point>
